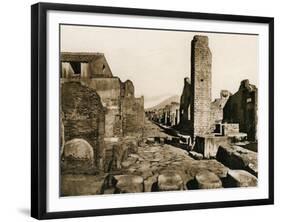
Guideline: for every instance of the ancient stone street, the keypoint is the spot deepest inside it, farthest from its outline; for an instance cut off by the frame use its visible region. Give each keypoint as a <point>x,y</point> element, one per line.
<point>157,166</point>
<point>112,142</point>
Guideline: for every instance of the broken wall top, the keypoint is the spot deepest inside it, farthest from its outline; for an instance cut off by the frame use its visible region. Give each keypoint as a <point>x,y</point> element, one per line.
<point>98,63</point>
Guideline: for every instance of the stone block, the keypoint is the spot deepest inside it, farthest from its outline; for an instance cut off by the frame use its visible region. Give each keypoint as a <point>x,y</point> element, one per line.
<point>208,180</point>
<point>169,181</point>
<point>236,157</point>
<point>211,165</point>
<point>208,145</point>
<point>128,184</point>
<point>241,178</point>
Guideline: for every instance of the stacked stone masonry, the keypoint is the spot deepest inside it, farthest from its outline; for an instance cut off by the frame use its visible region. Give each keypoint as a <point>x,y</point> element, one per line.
<point>201,81</point>
<point>114,114</point>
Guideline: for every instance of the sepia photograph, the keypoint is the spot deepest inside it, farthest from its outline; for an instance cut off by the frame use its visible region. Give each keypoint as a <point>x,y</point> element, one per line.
<point>150,110</point>
<point>138,110</point>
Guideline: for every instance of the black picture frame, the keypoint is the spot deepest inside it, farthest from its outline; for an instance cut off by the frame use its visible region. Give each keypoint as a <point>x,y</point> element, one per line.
<point>39,108</point>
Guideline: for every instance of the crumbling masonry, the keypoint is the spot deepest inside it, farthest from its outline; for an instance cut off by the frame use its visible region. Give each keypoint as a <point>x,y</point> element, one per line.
<point>115,117</point>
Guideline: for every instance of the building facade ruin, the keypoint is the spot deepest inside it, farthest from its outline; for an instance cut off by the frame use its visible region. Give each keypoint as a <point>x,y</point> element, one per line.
<point>242,107</point>
<point>121,113</point>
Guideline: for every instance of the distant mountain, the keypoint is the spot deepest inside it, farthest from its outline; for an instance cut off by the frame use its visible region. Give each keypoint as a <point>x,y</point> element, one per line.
<point>165,102</point>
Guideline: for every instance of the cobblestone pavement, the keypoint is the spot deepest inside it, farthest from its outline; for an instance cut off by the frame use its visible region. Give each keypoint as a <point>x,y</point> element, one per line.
<point>166,167</point>
<point>156,166</point>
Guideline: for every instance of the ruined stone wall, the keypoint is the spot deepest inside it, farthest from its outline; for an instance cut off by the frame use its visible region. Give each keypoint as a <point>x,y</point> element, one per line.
<point>208,145</point>
<point>139,107</point>
<point>201,62</point>
<point>93,65</point>
<point>132,110</point>
<point>174,113</point>
<point>66,70</point>
<point>185,103</point>
<point>99,68</point>
<point>109,90</point>
<point>230,128</point>
<point>129,116</point>
<point>216,115</point>
<point>242,108</point>
<point>83,117</point>
<point>110,130</point>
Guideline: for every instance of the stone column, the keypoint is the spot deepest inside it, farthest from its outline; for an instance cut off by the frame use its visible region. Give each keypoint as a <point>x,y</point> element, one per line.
<point>201,81</point>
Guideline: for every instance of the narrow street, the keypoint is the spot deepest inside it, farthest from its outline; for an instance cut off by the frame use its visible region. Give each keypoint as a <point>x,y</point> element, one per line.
<point>158,165</point>
<point>165,167</point>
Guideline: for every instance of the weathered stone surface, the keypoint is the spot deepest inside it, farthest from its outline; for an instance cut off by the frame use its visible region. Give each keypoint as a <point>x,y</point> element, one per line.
<point>195,155</point>
<point>92,65</point>
<point>185,106</point>
<point>237,137</point>
<point>217,107</point>
<point>113,153</point>
<point>237,157</point>
<point>131,143</point>
<point>128,184</point>
<point>148,183</point>
<point>201,76</point>
<point>78,157</point>
<point>253,169</point>
<point>150,140</point>
<point>132,110</point>
<point>169,181</point>
<point>118,150</point>
<point>81,184</point>
<point>208,180</point>
<point>241,178</point>
<point>212,165</point>
<point>128,162</point>
<point>144,166</point>
<point>208,145</point>
<point>242,108</point>
<point>78,149</point>
<point>83,117</point>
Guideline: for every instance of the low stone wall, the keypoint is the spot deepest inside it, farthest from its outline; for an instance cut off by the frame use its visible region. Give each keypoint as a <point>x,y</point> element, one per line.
<point>208,145</point>
<point>230,128</point>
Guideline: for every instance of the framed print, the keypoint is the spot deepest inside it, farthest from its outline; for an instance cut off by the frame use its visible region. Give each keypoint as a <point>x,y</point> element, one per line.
<point>137,110</point>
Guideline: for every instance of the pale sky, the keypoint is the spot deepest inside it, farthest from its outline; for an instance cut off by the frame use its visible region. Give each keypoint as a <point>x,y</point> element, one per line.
<point>158,61</point>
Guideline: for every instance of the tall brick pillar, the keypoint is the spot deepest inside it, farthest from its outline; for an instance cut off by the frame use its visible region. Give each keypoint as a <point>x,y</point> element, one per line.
<point>201,81</point>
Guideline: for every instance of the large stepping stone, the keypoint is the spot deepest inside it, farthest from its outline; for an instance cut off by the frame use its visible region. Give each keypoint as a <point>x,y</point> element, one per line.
<point>241,178</point>
<point>207,180</point>
<point>169,181</point>
<point>207,165</point>
<point>128,184</point>
<point>236,157</point>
